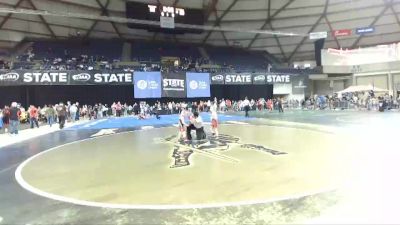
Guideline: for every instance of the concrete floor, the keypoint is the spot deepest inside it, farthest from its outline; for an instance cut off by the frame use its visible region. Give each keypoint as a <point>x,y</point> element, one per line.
<point>336,170</point>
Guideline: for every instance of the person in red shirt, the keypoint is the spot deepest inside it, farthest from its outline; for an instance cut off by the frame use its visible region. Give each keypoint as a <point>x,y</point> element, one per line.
<point>270,105</point>
<point>33,116</point>
<point>6,118</point>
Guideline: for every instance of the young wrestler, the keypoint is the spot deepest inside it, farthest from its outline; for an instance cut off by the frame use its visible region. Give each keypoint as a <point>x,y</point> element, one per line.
<point>214,119</point>
<point>182,124</point>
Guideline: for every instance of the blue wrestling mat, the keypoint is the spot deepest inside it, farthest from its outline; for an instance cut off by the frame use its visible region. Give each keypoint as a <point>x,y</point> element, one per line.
<point>131,121</point>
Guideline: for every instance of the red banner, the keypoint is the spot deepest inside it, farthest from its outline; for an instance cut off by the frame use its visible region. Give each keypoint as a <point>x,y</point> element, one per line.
<point>340,33</point>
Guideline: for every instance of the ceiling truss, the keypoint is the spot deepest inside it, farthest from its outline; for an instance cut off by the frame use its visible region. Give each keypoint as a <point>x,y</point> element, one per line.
<point>311,30</point>
<point>219,19</point>
<point>387,5</point>
<point>279,46</point>
<point>268,21</point>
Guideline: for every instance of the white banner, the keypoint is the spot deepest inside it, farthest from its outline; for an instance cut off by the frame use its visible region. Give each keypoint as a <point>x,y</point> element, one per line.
<point>361,56</point>
<point>318,35</point>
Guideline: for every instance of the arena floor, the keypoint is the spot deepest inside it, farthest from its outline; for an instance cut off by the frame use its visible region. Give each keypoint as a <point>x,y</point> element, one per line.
<point>297,167</point>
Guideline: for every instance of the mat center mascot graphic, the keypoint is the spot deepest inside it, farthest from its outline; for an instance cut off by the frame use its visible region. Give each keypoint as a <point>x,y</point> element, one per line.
<point>211,147</point>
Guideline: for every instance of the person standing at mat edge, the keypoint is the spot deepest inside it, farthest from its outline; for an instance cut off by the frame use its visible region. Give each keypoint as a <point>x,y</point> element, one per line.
<point>33,116</point>
<point>50,114</point>
<point>246,105</point>
<point>14,118</point>
<point>280,105</point>
<point>214,119</point>
<point>5,117</point>
<point>62,113</point>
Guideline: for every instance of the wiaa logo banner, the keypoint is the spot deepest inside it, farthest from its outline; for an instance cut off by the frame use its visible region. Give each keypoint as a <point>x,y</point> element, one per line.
<point>9,77</point>
<point>147,85</point>
<point>238,79</point>
<point>198,85</point>
<point>71,77</point>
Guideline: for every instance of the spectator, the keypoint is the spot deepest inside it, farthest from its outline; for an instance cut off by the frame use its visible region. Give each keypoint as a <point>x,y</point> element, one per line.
<point>14,118</point>
<point>6,118</point>
<point>118,109</point>
<point>33,116</point>
<point>72,112</point>
<point>50,115</point>
<point>62,113</point>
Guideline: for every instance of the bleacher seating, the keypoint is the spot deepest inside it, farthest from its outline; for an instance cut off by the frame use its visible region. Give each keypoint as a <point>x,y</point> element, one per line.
<point>145,55</point>
<point>240,59</point>
<point>153,51</point>
<point>316,70</point>
<point>109,49</point>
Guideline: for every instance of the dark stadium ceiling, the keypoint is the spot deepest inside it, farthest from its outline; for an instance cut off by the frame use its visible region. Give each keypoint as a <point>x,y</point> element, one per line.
<point>288,16</point>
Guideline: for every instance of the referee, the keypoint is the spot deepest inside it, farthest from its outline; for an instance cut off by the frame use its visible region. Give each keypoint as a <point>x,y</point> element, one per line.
<point>246,105</point>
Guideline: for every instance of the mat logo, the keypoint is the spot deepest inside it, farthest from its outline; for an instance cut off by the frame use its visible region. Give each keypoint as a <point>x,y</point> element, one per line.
<point>142,84</point>
<point>81,77</point>
<point>211,147</point>
<point>9,77</point>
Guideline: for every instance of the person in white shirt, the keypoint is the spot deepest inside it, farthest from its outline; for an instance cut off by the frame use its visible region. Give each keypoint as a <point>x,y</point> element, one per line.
<point>214,119</point>
<point>222,106</point>
<point>196,123</point>
<point>246,105</point>
<point>72,112</point>
<point>208,105</point>
<point>170,108</point>
<point>182,123</point>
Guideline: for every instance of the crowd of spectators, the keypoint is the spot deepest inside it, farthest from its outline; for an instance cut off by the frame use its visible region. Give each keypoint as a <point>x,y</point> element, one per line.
<point>59,113</point>
<point>4,64</point>
<point>357,101</point>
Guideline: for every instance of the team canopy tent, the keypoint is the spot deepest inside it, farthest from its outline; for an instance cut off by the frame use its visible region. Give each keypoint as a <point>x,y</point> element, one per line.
<point>362,88</point>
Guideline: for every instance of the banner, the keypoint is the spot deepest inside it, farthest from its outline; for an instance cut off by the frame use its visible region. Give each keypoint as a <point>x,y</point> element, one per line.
<point>249,78</point>
<point>147,85</point>
<point>70,77</point>
<point>361,56</point>
<point>278,78</point>
<point>365,30</point>
<point>341,33</point>
<point>240,78</point>
<point>300,84</point>
<point>198,85</point>
<point>174,85</point>
<point>25,77</point>
<point>100,77</point>
<point>318,35</point>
